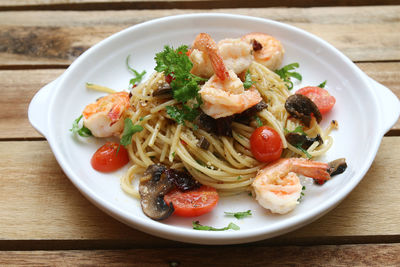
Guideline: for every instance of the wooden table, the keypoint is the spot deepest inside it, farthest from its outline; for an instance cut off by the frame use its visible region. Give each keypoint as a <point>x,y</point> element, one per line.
<point>46,221</point>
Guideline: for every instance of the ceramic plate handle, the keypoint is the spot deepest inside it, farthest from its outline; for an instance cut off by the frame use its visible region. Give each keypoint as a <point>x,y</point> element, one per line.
<point>38,108</point>
<point>389,104</point>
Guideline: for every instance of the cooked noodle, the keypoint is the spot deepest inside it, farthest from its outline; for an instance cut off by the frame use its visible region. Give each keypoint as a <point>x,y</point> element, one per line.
<point>227,164</point>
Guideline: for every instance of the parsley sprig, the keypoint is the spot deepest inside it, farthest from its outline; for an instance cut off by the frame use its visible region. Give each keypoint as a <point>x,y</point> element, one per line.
<point>248,82</point>
<point>138,76</point>
<point>82,131</point>
<point>176,64</point>
<point>286,73</point>
<point>129,131</point>
<point>198,226</point>
<point>239,215</point>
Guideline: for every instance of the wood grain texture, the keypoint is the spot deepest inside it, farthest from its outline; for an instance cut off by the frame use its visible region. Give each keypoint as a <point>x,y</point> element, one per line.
<point>170,4</point>
<point>344,255</point>
<point>19,86</point>
<point>38,202</point>
<point>58,37</point>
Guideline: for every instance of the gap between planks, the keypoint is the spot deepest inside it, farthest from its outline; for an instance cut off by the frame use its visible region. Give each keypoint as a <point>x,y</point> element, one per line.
<point>92,5</point>
<point>332,255</point>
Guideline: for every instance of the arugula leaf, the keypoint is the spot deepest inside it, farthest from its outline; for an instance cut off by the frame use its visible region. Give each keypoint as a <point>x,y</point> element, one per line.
<point>138,76</point>
<point>322,85</point>
<point>286,72</point>
<point>82,131</point>
<point>248,82</point>
<point>129,130</point>
<point>198,226</point>
<point>239,215</point>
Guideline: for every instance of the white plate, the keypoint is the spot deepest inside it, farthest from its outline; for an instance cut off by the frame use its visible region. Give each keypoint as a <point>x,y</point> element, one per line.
<point>365,110</point>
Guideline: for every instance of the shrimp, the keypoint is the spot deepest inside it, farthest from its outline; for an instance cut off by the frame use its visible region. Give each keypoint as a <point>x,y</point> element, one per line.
<point>267,50</point>
<point>104,117</point>
<point>277,186</point>
<point>236,55</point>
<point>223,94</point>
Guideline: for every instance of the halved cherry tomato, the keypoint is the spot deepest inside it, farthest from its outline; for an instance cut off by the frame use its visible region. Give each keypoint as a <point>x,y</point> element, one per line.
<point>106,158</point>
<point>194,202</point>
<point>266,144</point>
<point>319,96</point>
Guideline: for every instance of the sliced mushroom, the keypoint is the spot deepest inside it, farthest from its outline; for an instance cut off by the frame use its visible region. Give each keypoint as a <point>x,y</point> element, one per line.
<point>182,180</point>
<point>203,143</point>
<point>207,123</point>
<point>246,116</point>
<point>220,127</point>
<point>152,188</point>
<point>301,107</point>
<point>302,140</point>
<point>337,166</point>
<point>163,89</point>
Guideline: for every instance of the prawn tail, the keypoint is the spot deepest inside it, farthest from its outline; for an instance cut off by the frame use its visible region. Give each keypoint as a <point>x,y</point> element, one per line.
<point>219,66</point>
<point>313,169</point>
<point>206,44</point>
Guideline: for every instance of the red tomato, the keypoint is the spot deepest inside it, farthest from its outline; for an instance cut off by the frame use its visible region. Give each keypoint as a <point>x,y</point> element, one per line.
<point>266,144</point>
<point>193,203</point>
<point>106,158</point>
<point>319,96</point>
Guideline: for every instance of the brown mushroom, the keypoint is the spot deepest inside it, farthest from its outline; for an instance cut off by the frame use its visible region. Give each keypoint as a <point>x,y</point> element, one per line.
<point>163,90</point>
<point>203,143</point>
<point>302,140</point>
<point>302,108</point>
<point>152,188</point>
<point>246,116</point>
<point>337,166</point>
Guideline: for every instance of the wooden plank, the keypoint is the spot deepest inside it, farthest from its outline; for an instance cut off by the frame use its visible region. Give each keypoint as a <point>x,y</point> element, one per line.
<point>344,255</point>
<point>57,38</point>
<point>17,89</point>
<point>19,86</point>
<point>149,4</point>
<point>41,204</point>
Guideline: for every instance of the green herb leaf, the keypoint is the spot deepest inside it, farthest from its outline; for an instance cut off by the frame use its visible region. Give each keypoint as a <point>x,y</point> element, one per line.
<point>258,120</point>
<point>82,131</point>
<point>248,82</point>
<point>184,85</point>
<point>322,85</point>
<point>286,72</point>
<point>298,129</point>
<point>138,76</point>
<point>298,146</point>
<point>301,194</point>
<point>198,226</point>
<point>129,131</point>
<point>239,215</point>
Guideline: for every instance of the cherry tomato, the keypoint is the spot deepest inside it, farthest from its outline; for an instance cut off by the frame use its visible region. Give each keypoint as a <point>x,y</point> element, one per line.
<point>194,202</point>
<point>266,144</point>
<point>319,96</point>
<point>106,158</point>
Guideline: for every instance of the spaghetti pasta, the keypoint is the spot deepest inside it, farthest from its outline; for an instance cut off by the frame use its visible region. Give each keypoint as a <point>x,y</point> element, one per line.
<point>227,164</point>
